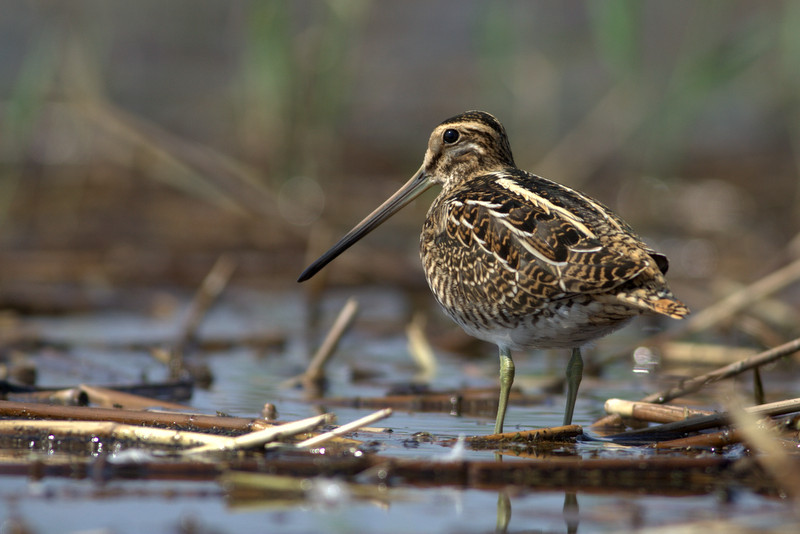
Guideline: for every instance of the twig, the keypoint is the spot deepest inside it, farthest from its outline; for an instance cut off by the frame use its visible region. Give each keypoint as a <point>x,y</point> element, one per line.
<point>66,397</point>
<point>151,394</point>
<point>326,350</point>
<point>556,433</point>
<point>314,373</point>
<point>134,417</point>
<point>149,435</point>
<point>697,383</point>
<point>703,422</point>
<point>254,439</point>
<point>208,292</point>
<point>344,429</point>
<point>110,398</point>
<point>717,440</point>
<point>647,411</point>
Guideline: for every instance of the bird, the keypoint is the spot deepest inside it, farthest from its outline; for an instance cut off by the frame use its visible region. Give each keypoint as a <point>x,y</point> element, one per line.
<point>518,260</point>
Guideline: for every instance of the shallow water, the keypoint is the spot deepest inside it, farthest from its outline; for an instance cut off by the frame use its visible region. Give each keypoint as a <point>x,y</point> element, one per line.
<point>96,349</point>
<point>67,506</point>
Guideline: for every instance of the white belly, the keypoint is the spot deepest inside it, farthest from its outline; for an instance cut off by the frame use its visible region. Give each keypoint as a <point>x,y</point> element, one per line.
<point>567,326</point>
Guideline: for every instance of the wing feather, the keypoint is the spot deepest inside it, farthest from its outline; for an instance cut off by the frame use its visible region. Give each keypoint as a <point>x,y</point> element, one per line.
<point>553,241</point>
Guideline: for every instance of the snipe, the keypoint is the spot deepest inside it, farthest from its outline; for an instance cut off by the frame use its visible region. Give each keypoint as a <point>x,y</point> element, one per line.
<point>519,260</point>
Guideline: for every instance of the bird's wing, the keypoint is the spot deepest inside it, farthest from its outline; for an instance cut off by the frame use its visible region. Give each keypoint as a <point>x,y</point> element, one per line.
<point>554,241</point>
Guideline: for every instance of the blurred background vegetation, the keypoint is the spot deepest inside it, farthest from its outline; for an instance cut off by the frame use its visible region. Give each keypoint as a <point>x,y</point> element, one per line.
<point>139,140</point>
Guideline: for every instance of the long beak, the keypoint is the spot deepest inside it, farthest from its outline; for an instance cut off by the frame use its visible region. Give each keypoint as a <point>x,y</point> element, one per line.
<point>418,184</point>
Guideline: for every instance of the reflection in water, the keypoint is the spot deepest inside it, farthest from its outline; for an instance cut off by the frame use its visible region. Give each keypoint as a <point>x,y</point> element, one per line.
<point>503,511</point>
<point>503,504</point>
<point>571,511</point>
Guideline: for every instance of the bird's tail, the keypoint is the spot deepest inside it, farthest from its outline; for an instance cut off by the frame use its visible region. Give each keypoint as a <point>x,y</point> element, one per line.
<point>662,302</point>
<point>671,307</point>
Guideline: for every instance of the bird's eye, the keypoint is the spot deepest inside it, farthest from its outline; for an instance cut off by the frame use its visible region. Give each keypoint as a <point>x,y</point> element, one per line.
<point>450,136</point>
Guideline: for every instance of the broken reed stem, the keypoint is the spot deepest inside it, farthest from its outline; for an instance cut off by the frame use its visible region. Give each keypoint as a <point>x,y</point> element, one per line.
<point>650,412</point>
<point>109,430</point>
<point>314,373</point>
<point>694,384</point>
<point>331,341</point>
<point>65,397</point>
<point>134,417</point>
<point>118,420</point>
<point>210,289</point>
<point>110,398</point>
<point>258,438</point>
<point>149,395</point>
<point>201,443</point>
<point>719,439</point>
<point>555,433</point>
<point>698,382</point>
<point>344,429</point>
<point>702,422</point>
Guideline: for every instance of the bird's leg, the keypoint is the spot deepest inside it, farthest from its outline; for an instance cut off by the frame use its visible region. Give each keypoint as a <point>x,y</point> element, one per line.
<point>506,379</point>
<point>574,376</point>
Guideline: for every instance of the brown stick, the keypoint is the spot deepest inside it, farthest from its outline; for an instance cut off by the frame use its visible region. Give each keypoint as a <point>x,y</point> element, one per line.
<point>110,398</point>
<point>260,437</point>
<point>106,429</point>
<point>701,422</point>
<point>208,292</point>
<point>697,383</point>
<point>555,433</point>
<point>647,411</point>
<point>135,417</point>
<point>67,397</point>
<point>344,429</point>
<point>702,441</point>
<point>315,372</point>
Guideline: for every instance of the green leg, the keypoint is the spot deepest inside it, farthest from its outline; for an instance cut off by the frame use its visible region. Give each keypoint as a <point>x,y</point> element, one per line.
<point>574,375</point>
<point>506,379</point>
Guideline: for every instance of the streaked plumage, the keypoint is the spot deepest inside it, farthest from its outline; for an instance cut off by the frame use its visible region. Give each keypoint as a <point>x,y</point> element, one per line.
<point>517,259</point>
